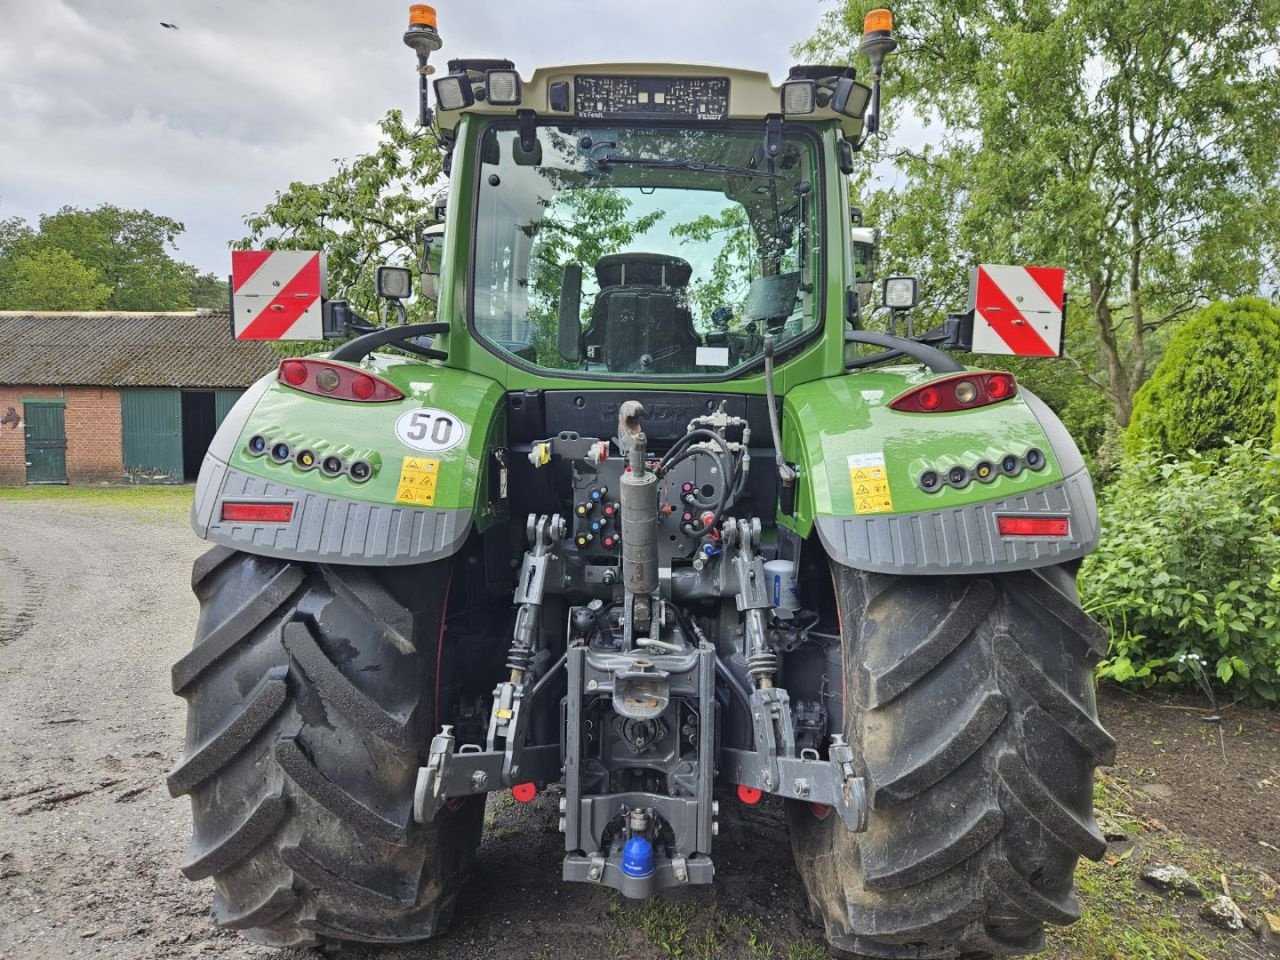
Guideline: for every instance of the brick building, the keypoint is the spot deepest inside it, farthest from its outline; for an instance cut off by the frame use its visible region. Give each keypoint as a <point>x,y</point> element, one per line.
<point>117,397</point>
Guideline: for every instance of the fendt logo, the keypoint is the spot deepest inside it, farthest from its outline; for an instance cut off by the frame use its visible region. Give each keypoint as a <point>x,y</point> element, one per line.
<point>276,294</point>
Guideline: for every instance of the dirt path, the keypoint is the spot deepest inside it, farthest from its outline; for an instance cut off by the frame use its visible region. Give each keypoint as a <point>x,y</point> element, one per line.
<point>94,607</point>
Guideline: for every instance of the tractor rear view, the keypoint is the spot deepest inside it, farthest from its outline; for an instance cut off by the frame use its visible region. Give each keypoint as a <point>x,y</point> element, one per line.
<point>641,516</point>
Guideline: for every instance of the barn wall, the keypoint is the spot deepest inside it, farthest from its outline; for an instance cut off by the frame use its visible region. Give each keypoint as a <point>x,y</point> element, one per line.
<point>93,433</point>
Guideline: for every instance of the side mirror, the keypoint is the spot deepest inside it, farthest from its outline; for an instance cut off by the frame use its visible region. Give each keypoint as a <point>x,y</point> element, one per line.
<point>569,329</point>
<point>431,239</point>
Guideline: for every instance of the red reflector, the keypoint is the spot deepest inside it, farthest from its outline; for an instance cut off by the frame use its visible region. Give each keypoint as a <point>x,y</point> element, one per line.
<point>258,512</point>
<point>524,792</point>
<point>944,395</point>
<point>1033,526</point>
<point>820,810</point>
<point>749,795</point>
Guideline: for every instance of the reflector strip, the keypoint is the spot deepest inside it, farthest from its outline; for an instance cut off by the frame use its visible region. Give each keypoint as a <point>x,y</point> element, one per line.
<point>257,512</point>
<point>288,305</point>
<point>1033,526</point>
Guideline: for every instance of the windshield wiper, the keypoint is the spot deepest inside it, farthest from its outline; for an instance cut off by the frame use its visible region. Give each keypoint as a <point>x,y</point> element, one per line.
<point>602,163</point>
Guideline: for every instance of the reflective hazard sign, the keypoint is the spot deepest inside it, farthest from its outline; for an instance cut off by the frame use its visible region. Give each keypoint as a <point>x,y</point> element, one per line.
<point>1017,310</point>
<point>870,483</point>
<point>418,477</point>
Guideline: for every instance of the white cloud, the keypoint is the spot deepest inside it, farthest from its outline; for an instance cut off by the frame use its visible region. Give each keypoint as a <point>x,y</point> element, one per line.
<point>100,104</point>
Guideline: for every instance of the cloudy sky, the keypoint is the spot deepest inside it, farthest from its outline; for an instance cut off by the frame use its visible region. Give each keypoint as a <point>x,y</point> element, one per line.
<point>101,104</point>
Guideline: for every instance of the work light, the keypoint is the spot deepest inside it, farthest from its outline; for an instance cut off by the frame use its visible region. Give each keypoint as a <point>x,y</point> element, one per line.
<point>503,87</point>
<point>900,293</point>
<point>454,92</point>
<point>799,96</point>
<point>850,98</point>
<point>395,283</point>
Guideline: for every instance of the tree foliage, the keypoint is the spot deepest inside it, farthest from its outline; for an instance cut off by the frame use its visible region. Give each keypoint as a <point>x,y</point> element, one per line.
<point>365,215</point>
<point>125,251</point>
<point>1189,564</point>
<point>1133,143</point>
<point>52,279</point>
<point>1217,381</point>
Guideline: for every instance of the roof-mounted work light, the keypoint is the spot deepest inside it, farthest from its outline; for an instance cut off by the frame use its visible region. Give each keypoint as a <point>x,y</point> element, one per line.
<point>851,98</point>
<point>503,87</point>
<point>799,97</point>
<point>454,92</point>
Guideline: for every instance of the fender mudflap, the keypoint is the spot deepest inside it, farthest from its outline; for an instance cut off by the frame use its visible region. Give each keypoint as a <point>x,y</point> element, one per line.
<point>967,539</point>
<point>323,528</point>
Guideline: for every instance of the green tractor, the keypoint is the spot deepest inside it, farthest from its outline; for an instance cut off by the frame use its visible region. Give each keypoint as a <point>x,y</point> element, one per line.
<point>650,515</point>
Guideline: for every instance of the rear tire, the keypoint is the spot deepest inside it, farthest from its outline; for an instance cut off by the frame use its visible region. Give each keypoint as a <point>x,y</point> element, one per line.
<point>311,704</point>
<point>969,702</point>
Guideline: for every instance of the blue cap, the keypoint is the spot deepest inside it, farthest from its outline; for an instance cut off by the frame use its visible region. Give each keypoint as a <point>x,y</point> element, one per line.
<point>637,858</point>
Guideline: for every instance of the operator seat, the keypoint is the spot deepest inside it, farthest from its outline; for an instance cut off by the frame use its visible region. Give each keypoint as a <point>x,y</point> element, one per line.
<point>640,321</point>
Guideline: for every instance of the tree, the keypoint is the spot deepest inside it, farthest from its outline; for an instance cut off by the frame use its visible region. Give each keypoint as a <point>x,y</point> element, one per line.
<point>1216,383</point>
<point>127,249</point>
<point>1133,143</point>
<point>366,214</point>
<point>52,279</point>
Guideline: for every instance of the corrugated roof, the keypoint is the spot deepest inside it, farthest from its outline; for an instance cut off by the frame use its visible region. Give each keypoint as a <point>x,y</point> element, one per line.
<point>128,350</point>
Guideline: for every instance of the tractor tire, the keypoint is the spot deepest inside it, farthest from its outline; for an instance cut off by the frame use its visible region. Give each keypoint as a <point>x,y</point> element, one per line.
<point>969,703</point>
<point>311,705</point>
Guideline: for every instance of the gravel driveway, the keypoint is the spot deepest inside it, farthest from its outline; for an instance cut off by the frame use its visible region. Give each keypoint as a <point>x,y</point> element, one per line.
<point>94,607</point>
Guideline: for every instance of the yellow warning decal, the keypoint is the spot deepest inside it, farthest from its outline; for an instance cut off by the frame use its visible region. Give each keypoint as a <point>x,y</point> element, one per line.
<point>418,477</point>
<point>870,483</point>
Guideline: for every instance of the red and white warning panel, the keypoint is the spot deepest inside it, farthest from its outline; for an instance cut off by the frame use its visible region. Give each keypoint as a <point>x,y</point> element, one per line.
<point>1017,310</point>
<point>276,294</point>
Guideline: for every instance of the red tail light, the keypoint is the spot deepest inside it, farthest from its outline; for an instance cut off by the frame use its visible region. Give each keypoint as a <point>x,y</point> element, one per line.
<point>325,378</point>
<point>962,391</point>
<point>257,512</point>
<point>1033,526</point>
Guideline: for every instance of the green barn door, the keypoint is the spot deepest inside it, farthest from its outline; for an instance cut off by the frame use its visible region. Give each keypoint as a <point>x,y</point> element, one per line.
<point>151,424</point>
<point>223,401</point>
<point>46,442</point>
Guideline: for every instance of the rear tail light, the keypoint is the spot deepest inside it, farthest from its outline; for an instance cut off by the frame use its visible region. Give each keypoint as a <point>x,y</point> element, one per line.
<point>324,378</point>
<point>257,512</point>
<point>1033,526</point>
<point>963,391</point>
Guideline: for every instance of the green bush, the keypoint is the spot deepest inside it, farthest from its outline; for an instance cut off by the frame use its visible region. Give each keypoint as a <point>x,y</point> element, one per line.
<point>1190,564</point>
<point>1217,381</point>
<point>1275,437</point>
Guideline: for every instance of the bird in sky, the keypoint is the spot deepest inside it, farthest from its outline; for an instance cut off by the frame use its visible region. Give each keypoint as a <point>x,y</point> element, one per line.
<point>169,26</point>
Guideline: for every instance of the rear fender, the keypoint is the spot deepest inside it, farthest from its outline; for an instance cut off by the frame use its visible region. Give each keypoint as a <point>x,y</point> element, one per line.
<point>861,462</point>
<point>424,494</point>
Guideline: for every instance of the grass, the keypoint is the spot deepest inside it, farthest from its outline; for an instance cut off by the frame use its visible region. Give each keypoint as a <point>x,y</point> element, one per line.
<point>132,495</point>
<point>144,501</point>
<point>1122,917</point>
